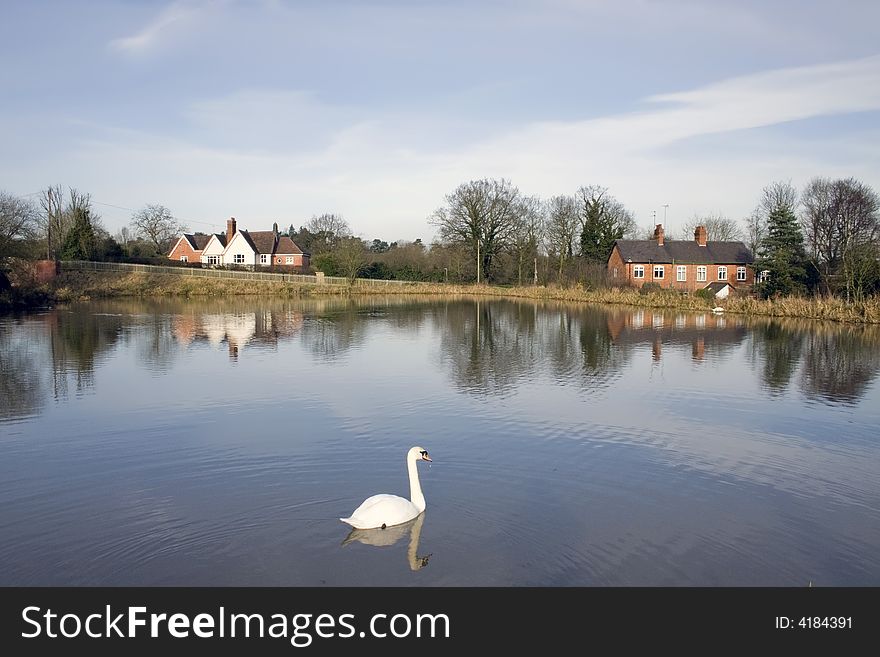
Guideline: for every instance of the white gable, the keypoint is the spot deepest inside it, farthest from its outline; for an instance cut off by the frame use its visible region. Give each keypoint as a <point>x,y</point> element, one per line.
<point>213,247</point>
<point>238,246</point>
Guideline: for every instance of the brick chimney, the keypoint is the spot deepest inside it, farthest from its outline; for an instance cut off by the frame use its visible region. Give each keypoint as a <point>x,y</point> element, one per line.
<point>700,235</point>
<point>658,234</point>
<point>230,229</point>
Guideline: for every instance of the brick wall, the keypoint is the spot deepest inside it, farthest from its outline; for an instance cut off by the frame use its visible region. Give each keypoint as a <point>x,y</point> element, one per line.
<point>670,274</point>
<point>300,261</point>
<point>183,248</point>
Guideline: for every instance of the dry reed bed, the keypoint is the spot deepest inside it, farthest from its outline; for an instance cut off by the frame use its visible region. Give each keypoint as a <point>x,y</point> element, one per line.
<point>78,285</point>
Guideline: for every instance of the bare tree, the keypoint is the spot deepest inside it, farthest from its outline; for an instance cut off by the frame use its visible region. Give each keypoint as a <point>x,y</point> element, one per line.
<point>351,256</point>
<point>123,236</point>
<point>562,227</point>
<point>780,196</point>
<point>18,221</point>
<point>326,231</point>
<point>60,216</point>
<point>157,225</point>
<point>53,223</point>
<point>450,258</point>
<point>718,227</point>
<point>756,228</point>
<point>481,214</point>
<point>645,233</point>
<point>527,234</point>
<point>841,227</point>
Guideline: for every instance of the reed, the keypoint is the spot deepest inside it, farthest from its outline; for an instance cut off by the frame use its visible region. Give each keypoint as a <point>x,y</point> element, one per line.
<point>77,285</point>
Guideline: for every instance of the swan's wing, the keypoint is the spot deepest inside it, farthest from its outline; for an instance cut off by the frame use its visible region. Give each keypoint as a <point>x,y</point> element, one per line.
<point>381,510</point>
<point>382,498</point>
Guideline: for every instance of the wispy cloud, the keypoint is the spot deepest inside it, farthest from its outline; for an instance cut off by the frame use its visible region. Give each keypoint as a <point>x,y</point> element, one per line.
<point>752,101</point>
<point>387,176</point>
<point>176,15</point>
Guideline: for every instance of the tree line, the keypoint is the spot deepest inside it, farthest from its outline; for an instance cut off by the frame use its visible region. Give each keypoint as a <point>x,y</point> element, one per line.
<point>824,238</point>
<point>65,226</point>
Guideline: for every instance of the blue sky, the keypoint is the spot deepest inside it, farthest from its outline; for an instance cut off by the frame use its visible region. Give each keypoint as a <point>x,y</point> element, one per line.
<point>269,110</point>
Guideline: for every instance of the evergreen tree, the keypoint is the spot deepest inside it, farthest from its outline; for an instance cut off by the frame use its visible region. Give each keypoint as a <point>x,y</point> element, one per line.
<point>80,242</point>
<point>603,220</point>
<point>783,255</point>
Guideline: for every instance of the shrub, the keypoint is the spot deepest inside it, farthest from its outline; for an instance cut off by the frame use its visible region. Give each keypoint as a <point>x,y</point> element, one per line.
<point>706,294</point>
<point>649,288</point>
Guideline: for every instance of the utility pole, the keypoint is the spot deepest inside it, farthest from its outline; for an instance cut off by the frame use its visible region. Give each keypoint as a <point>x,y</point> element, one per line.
<point>478,262</point>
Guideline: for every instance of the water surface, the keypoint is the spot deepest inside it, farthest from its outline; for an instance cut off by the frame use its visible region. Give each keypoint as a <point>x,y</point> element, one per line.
<point>218,442</point>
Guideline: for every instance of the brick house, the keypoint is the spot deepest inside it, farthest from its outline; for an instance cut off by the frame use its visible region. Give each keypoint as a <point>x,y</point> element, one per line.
<point>254,248</point>
<point>189,247</point>
<point>685,265</point>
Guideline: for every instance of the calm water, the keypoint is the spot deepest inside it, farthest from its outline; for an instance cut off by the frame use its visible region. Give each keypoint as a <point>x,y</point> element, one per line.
<point>200,443</point>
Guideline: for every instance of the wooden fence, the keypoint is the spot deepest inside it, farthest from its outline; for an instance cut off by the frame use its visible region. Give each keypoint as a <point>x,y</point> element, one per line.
<point>197,272</point>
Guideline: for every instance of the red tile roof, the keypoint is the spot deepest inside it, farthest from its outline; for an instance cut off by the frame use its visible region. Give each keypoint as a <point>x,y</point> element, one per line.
<point>287,246</point>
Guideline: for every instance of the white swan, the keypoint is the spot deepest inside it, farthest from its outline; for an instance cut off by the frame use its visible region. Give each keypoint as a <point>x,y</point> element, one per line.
<point>388,510</point>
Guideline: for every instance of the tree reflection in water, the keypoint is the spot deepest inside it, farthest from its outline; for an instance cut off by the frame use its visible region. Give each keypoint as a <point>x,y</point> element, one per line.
<point>487,347</point>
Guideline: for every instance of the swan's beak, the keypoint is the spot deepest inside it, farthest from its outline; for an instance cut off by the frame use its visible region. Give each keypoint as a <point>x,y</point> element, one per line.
<point>425,457</point>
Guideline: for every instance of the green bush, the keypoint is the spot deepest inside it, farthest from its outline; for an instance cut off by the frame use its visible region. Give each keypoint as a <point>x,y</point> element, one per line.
<point>706,294</point>
<point>649,288</point>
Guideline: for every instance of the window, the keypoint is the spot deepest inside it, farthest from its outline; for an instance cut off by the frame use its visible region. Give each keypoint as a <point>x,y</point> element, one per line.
<point>658,271</point>
<point>764,276</point>
<point>701,273</point>
<point>214,260</point>
<point>184,258</point>
<point>638,271</point>
<point>740,273</point>
<point>681,273</point>
<point>722,273</point>
<point>238,258</point>
<point>264,259</point>
<point>289,260</point>
<point>614,273</point>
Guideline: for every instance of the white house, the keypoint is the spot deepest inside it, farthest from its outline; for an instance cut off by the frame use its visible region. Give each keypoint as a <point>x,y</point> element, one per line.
<point>255,248</point>
<point>212,254</point>
<point>239,249</point>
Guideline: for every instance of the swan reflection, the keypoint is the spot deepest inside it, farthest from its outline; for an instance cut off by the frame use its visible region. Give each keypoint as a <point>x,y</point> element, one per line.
<point>391,535</point>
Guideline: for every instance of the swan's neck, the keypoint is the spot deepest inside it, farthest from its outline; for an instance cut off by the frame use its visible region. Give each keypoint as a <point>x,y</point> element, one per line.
<point>415,489</point>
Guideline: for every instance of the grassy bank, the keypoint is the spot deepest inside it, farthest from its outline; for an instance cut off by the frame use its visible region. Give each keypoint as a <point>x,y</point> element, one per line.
<point>72,286</point>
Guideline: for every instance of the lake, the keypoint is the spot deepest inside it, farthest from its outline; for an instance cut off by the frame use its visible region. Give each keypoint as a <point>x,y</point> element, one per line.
<point>218,442</point>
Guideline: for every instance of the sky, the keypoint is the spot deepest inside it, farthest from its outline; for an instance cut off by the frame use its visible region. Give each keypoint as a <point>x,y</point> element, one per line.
<point>273,110</point>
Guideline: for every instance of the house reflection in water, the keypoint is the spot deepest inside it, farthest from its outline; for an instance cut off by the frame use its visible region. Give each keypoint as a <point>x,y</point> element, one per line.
<point>699,331</point>
<point>237,329</point>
